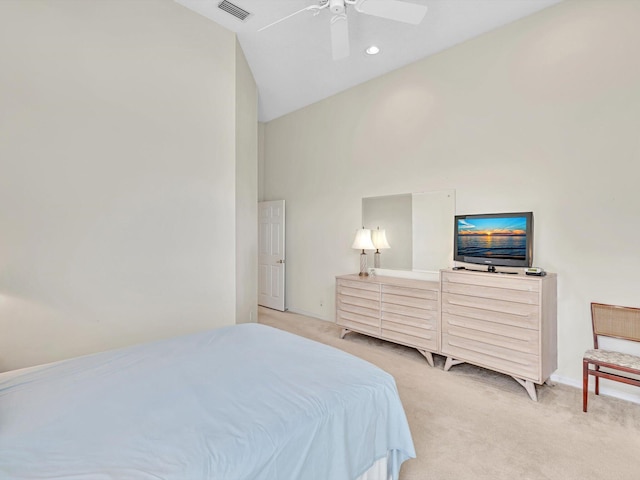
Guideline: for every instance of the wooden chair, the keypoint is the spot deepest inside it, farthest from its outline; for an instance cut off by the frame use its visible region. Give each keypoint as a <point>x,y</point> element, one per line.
<point>617,322</point>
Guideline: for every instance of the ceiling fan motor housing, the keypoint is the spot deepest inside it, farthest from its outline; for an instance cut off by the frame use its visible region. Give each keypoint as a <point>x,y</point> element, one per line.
<point>336,6</point>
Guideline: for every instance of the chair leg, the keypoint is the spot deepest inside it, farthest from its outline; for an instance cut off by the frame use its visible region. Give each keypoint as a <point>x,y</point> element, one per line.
<point>597,380</point>
<point>585,384</point>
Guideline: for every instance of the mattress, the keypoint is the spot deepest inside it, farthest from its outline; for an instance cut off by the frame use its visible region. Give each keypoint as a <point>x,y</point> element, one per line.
<point>241,402</point>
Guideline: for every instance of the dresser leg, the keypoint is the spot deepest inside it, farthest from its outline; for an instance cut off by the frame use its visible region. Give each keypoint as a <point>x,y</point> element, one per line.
<point>450,363</point>
<point>529,386</point>
<point>428,356</point>
<point>344,332</point>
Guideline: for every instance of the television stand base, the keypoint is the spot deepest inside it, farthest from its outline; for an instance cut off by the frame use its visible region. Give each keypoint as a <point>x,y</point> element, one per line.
<point>490,269</point>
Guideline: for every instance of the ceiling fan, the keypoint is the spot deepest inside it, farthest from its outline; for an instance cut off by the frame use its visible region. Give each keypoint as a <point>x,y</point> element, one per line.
<point>391,9</point>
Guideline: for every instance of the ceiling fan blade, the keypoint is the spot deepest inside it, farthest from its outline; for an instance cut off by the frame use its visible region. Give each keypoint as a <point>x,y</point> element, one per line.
<point>339,37</point>
<point>393,10</point>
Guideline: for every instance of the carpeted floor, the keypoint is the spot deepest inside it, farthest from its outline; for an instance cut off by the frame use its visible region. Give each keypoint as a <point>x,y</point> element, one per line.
<point>471,423</point>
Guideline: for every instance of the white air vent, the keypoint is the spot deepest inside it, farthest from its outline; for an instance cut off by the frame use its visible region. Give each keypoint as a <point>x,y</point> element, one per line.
<point>234,10</point>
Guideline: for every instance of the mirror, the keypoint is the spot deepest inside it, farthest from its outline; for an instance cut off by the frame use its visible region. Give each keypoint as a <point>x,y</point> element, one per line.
<point>392,214</point>
<point>419,229</point>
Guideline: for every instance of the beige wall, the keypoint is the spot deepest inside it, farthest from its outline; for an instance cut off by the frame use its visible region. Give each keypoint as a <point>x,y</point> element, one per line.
<point>246,191</point>
<point>117,176</point>
<point>540,115</point>
<point>260,161</point>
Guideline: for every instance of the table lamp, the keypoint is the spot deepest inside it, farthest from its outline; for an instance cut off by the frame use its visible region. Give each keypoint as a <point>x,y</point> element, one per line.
<point>379,239</point>
<point>362,242</point>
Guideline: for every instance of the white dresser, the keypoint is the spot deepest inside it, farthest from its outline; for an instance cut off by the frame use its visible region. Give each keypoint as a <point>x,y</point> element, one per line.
<point>505,323</point>
<point>400,310</point>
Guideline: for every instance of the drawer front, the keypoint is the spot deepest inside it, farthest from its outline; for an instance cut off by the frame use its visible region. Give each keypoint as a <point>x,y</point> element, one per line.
<point>502,282</point>
<point>410,292</point>
<point>358,327</point>
<point>489,310</point>
<point>369,310</point>
<point>493,293</point>
<point>356,317</point>
<point>519,340</point>
<point>357,301</point>
<point>359,293</point>
<point>423,318</point>
<point>425,340</point>
<point>424,303</point>
<point>362,322</point>
<point>374,287</point>
<point>518,364</point>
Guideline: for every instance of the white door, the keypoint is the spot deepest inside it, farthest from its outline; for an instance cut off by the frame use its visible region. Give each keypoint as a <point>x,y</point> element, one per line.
<point>271,254</point>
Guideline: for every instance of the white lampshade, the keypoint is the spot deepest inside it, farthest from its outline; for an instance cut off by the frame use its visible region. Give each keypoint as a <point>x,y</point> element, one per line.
<point>379,239</point>
<point>363,240</point>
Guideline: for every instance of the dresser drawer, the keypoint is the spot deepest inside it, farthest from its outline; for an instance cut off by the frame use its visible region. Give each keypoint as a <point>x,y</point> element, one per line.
<point>511,362</point>
<point>356,317</point>
<point>358,284</point>
<point>418,318</point>
<point>359,327</point>
<point>491,310</point>
<point>419,338</point>
<point>478,291</point>
<point>357,301</point>
<point>424,303</point>
<point>410,292</point>
<point>370,310</point>
<point>359,293</point>
<point>491,334</point>
<point>495,280</point>
<point>358,321</point>
<point>492,286</point>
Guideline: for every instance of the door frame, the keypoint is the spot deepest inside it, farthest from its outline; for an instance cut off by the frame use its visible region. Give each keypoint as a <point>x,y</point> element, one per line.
<point>271,261</point>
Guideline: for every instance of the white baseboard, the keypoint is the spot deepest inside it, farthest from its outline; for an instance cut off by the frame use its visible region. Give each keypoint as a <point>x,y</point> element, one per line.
<point>309,314</point>
<point>604,390</point>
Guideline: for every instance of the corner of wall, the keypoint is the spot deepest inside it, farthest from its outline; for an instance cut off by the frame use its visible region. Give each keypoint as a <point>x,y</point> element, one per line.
<point>247,155</point>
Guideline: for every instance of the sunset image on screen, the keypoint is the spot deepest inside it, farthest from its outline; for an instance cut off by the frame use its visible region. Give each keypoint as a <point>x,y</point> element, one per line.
<point>493,237</point>
<point>493,226</point>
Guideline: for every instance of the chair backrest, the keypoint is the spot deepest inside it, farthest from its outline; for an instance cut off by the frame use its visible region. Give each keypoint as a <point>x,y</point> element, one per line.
<point>615,321</point>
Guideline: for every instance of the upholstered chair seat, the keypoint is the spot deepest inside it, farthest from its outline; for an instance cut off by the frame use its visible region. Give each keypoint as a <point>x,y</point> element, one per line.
<point>614,358</point>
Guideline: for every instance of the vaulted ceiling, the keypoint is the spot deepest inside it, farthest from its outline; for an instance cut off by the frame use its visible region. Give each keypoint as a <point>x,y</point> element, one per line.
<point>292,60</point>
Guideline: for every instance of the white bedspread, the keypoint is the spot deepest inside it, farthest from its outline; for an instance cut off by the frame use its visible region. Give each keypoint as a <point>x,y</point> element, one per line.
<point>247,402</point>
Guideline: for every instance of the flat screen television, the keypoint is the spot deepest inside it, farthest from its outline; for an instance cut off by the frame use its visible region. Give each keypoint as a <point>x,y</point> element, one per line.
<point>494,239</point>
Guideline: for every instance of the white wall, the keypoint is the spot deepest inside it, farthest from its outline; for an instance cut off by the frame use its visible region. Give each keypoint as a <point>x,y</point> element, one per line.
<point>246,191</point>
<point>117,176</point>
<point>540,115</point>
<point>260,161</point>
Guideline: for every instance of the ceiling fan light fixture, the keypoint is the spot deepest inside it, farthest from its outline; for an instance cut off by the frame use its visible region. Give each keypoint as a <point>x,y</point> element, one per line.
<point>372,50</point>
<point>336,6</point>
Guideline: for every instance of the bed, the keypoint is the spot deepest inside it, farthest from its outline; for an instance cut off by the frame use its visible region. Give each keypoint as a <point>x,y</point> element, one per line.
<point>242,402</point>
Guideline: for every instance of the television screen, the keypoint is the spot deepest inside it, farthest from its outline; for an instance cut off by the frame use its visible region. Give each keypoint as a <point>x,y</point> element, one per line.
<point>498,239</point>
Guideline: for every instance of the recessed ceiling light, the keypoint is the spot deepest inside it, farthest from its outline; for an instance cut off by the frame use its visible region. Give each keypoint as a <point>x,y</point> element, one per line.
<point>372,50</point>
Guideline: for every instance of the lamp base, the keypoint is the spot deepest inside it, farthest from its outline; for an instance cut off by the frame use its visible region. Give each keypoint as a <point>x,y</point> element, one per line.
<point>376,259</point>
<point>363,265</point>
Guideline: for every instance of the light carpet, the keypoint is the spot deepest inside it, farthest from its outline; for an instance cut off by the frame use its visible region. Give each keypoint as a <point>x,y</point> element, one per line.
<point>471,423</point>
